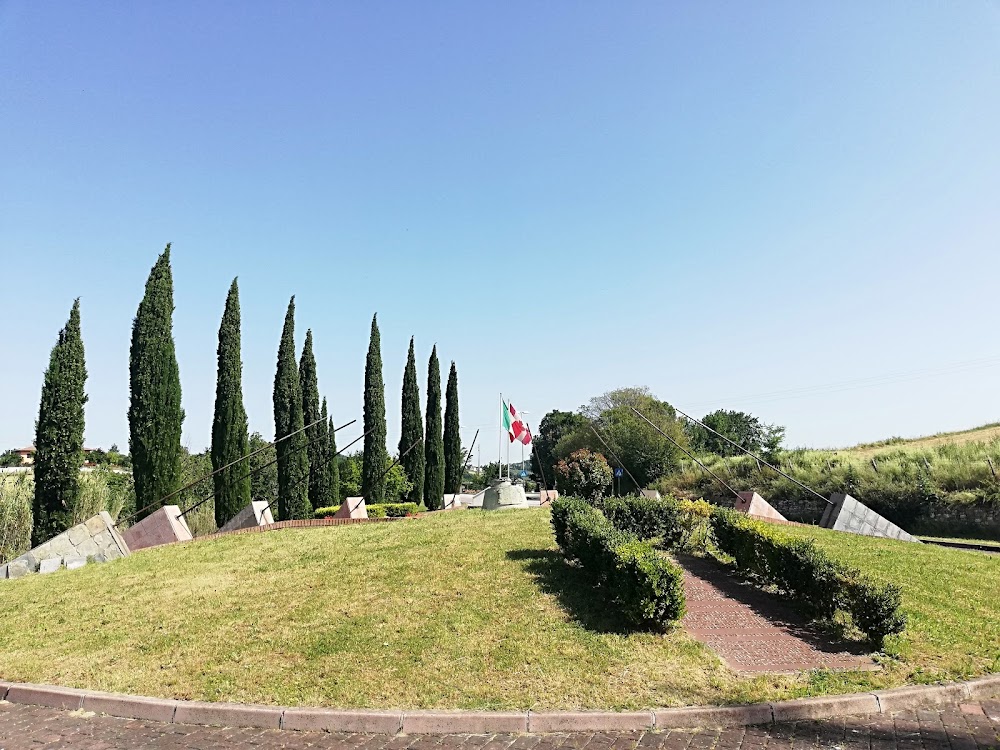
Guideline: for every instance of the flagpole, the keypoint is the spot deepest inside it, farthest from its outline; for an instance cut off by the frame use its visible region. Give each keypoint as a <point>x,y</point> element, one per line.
<point>500,441</point>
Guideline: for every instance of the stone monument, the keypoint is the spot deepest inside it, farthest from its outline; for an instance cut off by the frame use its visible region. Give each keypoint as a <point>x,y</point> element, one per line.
<point>754,505</point>
<point>165,526</point>
<point>352,507</point>
<point>257,513</point>
<point>844,513</point>
<point>503,494</point>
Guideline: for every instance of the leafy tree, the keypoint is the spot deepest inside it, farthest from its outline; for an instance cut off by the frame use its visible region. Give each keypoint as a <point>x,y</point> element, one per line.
<point>434,440</point>
<point>397,484</point>
<point>554,426</point>
<point>155,415</point>
<point>411,436</point>
<point>293,460</point>
<point>318,440</point>
<point>453,456</point>
<point>59,433</point>
<point>10,458</point>
<point>372,478</point>
<point>229,428</point>
<point>585,474</point>
<point>197,466</point>
<point>332,461</point>
<point>743,429</point>
<point>263,472</point>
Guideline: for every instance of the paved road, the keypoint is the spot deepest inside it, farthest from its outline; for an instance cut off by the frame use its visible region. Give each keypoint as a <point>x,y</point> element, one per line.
<point>968,727</point>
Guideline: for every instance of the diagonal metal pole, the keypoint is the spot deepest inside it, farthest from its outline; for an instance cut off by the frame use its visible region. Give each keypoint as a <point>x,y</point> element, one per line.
<point>466,465</point>
<point>617,460</point>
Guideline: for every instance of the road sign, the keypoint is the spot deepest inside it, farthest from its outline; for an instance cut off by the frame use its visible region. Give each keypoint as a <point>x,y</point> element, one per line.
<point>523,473</point>
<point>619,472</point>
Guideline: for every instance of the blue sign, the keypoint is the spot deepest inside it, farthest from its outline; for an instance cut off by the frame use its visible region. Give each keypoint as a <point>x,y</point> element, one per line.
<point>524,473</point>
<point>619,472</point>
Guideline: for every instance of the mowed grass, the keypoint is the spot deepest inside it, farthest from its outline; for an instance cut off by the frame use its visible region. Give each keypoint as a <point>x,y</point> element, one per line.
<point>458,610</point>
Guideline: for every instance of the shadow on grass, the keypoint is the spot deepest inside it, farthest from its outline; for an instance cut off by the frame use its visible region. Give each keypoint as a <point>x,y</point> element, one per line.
<point>576,591</point>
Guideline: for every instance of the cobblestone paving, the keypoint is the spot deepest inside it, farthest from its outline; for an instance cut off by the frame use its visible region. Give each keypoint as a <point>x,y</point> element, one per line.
<point>973,726</point>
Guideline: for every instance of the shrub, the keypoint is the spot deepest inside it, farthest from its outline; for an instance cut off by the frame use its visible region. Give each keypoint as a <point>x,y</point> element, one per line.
<point>800,568</point>
<point>645,584</point>
<point>647,518</point>
<point>584,473</point>
<point>382,510</point>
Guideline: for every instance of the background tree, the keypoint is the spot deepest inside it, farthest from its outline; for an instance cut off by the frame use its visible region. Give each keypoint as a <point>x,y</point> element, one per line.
<point>554,426</point>
<point>59,433</point>
<point>743,429</point>
<point>412,430</point>
<point>454,459</point>
<point>155,415</point>
<point>585,474</point>
<point>372,478</point>
<point>434,440</point>
<point>293,460</point>
<point>10,458</point>
<point>263,472</point>
<point>397,484</point>
<point>332,461</point>
<point>230,441</point>
<point>316,435</point>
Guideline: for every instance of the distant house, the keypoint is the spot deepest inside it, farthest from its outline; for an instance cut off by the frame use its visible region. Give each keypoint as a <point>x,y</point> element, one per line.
<point>28,455</point>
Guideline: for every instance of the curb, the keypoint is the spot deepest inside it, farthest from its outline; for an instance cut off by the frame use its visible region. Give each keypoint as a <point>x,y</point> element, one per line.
<point>371,721</point>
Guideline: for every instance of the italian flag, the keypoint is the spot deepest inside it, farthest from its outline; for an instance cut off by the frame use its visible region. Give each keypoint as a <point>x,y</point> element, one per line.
<point>514,426</point>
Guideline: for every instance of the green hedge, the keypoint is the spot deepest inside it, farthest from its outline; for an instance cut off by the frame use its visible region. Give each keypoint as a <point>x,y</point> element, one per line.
<point>647,518</point>
<point>382,510</point>
<point>803,570</point>
<point>645,584</point>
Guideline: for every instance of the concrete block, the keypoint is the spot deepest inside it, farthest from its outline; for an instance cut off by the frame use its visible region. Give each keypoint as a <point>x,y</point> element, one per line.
<point>651,494</point>
<point>78,534</point>
<point>754,505</point>
<point>227,714</point>
<point>545,497</point>
<point>4,687</point>
<point>332,720</point>
<point>131,706</point>
<point>590,721</point>
<point>18,568</point>
<point>465,722</point>
<point>51,565</point>
<point>164,526</point>
<point>713,716</point>
<point>96,524</point>
<point>806,709</point>
<point>68,699</point>
<point>88,548</point>
<point>72,563</point>
<point>119,541</point>
<point>3,572</point>
<point>901,699</point>
<point>352,507</point>
<point>504,494</point>
<point>257,513</point>
<point>454,501</point>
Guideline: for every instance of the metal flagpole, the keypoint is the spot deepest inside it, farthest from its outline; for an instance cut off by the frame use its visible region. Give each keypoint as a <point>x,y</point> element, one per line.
<point>500,441</point>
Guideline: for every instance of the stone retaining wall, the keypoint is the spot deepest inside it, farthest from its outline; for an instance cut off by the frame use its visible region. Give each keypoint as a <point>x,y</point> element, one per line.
<point>94,540</point>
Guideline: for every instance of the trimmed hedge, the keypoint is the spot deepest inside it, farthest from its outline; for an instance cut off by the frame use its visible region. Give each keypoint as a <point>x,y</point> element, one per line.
<point>646,585</point>
<point>803,570</point>
<point>382,510</point>
<point>647,518</point>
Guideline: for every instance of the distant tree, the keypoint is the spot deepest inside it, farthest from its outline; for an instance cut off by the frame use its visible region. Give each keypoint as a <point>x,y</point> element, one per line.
<point>155,415</point>
<point>230,441</point>
<point>454,459</point>
<point>332,460</point>
<point>59,433</point>
<point>316,434</point>
<point>554,426</point>
<point>373,468</point>
<point>397,484</point>
<point>293,460</point>
<point>10,458</point>
<point>585,474</point>
<point>743,429</point>
<point>411,436</point>
<point>434,440</point>
<point>263,472</point>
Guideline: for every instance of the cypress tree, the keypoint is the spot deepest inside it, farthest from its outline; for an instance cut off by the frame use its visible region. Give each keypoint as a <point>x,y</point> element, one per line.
<point>333,463</point>
<point>412,430</point>
<point>230,440</point>
<point>293,459</point>
<point>315,435</point>
<point>155,415</point>
<point>375,456</point>
<point>59,434</point>
<point>453,457</point>
<point>434,442</point>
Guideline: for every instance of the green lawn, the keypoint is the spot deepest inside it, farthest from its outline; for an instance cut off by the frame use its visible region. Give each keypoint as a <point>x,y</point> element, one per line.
<point>456,610</point>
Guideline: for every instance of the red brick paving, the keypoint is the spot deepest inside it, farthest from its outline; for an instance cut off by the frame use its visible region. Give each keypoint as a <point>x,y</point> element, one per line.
<point>752,631</point>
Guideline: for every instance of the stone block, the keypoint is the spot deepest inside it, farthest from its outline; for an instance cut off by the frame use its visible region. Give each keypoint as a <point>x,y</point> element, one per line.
<point>504,494</point>
<point>78,534</point>
<point>51,565</point>
<point>651,494</point>
<point>87,548</point>
<point>19,568</point>
<point>352,507</point>
<point>590,721</point>
<point>334,720</point>
<point>97,524</point>
<point>465,722</point>
<point>3,572</point>
<point>713,716</point>
<point>59,546</point>
<point>164,526</point>
<point>806,709</point>
<point>227,714</point>
<point>754,505</point>
<point>67,699</point>
<point>904,698</point>
<point>72,563</point>
<point>454,501</point>
<point>545,497</point>
<point>131,706</point>
<point>257,513</point>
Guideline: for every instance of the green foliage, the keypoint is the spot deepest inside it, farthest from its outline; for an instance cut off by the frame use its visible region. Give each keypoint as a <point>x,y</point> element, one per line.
<point>800,568</point>
<point>554,427</point>
<point>59,433</point>
<point>263,472</point>
<point>434,440</point>
<point>293,459</point>
<point>643,583</point>
<point>155,415</point>
<point>16,493</point>
<point>230,441</point>
<point>412,431</point>
<point>584,473</point>
<point>746,430</point>
<point>397,485</point>
<point>454,458</point>
<point>316,437</point>
<point>10,458</point>
<point>373,481</point>
<point>385,510</point>
<point>332,459</point>
<point>647,518</point>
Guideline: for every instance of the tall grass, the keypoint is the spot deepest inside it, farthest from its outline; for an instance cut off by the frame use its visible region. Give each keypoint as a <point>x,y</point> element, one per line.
<point>16,492</point>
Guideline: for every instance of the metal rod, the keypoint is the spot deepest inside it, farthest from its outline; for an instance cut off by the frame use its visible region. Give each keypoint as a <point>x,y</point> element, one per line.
<point>618,460</point>
<point>545,484</point>
<point>465,466</point>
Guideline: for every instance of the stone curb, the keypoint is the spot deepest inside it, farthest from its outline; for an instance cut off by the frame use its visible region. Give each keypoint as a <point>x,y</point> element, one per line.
<point>370,721</point>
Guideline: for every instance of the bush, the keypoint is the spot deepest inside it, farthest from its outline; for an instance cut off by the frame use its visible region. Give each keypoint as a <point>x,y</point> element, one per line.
<point>800,568</point>
<point>645,584</point>
<point>382,510</point>
<point>647,518</point>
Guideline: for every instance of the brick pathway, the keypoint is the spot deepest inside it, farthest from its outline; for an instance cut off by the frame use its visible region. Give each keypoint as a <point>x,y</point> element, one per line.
<point>958,727</point>
<point>752,631</point>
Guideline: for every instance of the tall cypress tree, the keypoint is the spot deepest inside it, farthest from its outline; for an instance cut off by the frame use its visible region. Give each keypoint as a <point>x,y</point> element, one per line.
<point>155,415</point>
<point>333,463</point>
<point>59,434</point>
<point>412,430</point>
<point>434,442</point>
<point>315,435</point>
<point>375,456</point>
<point>230,440</point>
<point>293,459</point>
<point>453,457</point>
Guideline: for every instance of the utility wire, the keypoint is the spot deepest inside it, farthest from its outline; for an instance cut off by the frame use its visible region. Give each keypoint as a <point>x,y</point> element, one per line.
<point>617,460</point>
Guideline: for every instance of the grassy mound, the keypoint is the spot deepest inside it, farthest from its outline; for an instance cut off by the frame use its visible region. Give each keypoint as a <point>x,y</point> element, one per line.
<point>457,610</point>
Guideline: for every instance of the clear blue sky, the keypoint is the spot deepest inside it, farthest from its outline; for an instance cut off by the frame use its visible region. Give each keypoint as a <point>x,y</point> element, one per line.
<point>717,200</point>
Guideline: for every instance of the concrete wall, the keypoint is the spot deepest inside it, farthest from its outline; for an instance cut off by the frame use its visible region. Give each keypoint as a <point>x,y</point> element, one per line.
<point>94,540</point>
